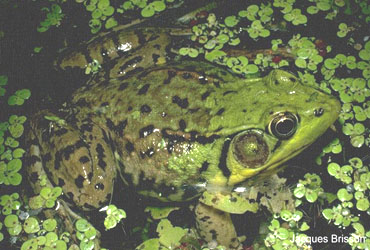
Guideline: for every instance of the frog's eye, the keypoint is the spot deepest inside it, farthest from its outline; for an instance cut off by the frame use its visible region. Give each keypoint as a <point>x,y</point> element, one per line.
<point>283,125</point>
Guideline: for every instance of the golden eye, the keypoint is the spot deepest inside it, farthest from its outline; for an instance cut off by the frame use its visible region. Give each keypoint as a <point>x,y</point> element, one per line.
<point>283,125</point>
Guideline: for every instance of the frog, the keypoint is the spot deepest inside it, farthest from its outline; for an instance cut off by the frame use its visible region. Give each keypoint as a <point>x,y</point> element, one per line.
<point>169,127</point>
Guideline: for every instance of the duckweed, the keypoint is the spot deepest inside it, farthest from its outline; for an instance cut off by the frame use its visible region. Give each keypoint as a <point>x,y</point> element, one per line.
<point>9,203</point>
<point>19,97</point>
<point>86,234</point>
<point>309,188</point>
<point>114,216</point>
<point>54,16</point>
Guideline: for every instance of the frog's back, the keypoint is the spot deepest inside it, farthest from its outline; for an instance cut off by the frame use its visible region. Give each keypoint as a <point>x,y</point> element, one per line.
<point>153,117</point>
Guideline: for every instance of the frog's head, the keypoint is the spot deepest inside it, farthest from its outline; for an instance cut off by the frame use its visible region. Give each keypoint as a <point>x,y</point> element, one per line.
<point>283,118</point>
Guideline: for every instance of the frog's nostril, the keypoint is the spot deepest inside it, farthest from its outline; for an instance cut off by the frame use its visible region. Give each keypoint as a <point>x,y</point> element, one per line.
<point>318,112</point>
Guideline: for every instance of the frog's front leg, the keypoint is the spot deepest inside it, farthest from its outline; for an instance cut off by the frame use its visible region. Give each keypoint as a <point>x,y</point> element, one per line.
<point>214,224</point>
<point>77,157</point>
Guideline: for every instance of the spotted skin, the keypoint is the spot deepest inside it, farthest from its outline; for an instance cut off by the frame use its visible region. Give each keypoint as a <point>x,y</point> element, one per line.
<point>216,225</point>
<point>169,128</point>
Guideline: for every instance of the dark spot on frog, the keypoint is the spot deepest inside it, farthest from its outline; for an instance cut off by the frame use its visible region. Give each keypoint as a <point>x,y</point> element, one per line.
<point>33,159</point>
<point>229,92</point>
<point>109,124</point>
<point>79,181</point>
<point>191,111</point>
<point>145,109</point>
<point>84,159</point>
<point>99,186</point>
<point>186,75</point>
<point>276,82</point>
<point>70,195</point>
<point>144,132</point>
<point>292,79</point>
<point>244,111</point>
<point>205,218</point>
<point>67,151</point>
<point>46,157</point>
<point>123,86</point>
<point>201,138</point>
<point>205,95</point>
<point>214,200</point>
<point>155,58</point>
<point>45,135</point>
<point>220,111</point>
<point>101,155</point>
<point>61,182</point>
<point>144,89</point>
<point>121,127</point>
<point>222,162</point>
<point>80,143</point>
<point>34,177</point>
<point>217,84</point>
<point>90,176</point>
<point>130,147</point>
<point>104,104</point>
<point>157,46</point>
<point>100,150</point>
<point>182,125</point>
<point>204,167</point>
<point>255,102</point>
<point>58,159</point>
<point>171,74</point>
<point>182,103</point>
<point>233,199</point>
<point>214,234</point>
<point>86,127</point>
<point>60,132</point>
<point>129,108</point>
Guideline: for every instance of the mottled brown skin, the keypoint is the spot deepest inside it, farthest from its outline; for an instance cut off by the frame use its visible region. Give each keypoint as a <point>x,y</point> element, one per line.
<point>221,230</point>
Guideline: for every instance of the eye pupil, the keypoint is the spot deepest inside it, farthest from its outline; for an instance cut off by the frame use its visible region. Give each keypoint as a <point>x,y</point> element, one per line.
<point>283,125</point>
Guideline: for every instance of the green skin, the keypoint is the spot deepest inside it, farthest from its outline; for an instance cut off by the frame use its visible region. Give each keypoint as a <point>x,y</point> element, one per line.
<point>166,127</point>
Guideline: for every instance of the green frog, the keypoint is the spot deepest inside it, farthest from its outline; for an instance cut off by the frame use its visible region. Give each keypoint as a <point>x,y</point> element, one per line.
<point>170,128</point>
